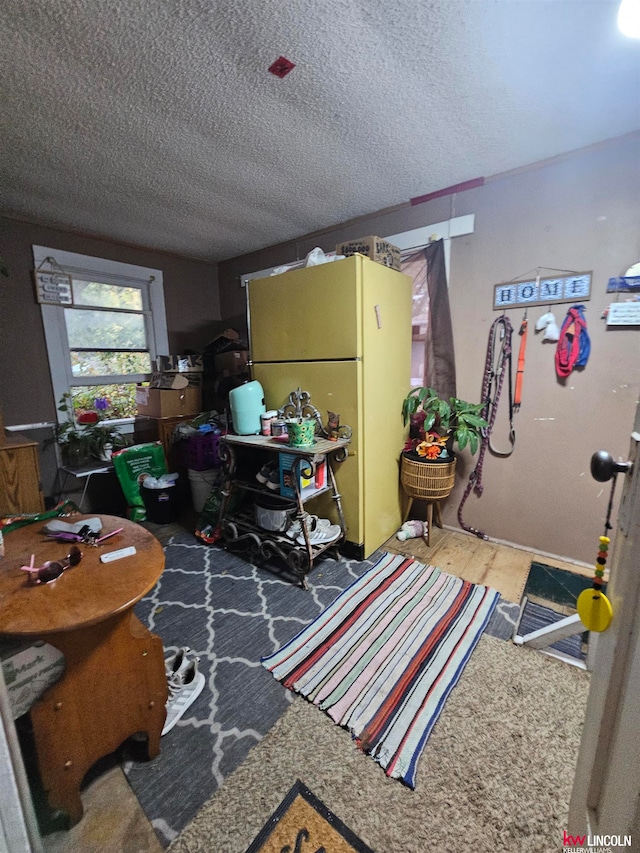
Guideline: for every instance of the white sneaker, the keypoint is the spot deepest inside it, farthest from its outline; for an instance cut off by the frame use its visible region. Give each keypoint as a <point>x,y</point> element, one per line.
<point>184,688</point>
<point>179,663</point>
<point>58,526</point>
<point>265,472</point>
<point>321,535</point>
<point>313,523</point>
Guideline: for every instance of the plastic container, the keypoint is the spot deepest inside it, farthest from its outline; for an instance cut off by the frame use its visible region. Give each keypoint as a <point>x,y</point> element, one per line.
<point>273,513</point>
<point>162,505</point>
<point>247,404</point>
<point>301,432</point>
<point>266,419</point>
<point>202,451</point>
<point>201,483</point>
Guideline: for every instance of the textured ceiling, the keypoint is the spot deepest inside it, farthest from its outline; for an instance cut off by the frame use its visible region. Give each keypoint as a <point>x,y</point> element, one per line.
<point>155,122</point>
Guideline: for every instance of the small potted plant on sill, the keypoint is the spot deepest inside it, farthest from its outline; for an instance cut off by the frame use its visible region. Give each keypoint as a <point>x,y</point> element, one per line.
<point>104,440</point>
<point>85,436</point>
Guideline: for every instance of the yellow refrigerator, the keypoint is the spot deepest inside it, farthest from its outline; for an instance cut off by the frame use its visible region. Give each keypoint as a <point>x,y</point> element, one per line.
<point>341,331</point>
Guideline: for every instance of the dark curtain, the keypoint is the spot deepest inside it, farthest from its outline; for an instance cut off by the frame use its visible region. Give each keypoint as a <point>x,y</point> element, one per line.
<point>431,300</point>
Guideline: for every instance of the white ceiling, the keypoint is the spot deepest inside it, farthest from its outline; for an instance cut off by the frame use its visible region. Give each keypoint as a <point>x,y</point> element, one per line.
<point>156,122</point>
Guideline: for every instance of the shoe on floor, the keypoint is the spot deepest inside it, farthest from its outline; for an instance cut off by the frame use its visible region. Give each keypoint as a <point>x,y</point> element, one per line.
<point>313,523</point>
<point>178,663</point>
<point>321,535</point>
<point>184,688</point>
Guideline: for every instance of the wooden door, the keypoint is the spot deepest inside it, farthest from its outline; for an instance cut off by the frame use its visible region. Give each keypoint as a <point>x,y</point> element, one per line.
<point>606,793</point>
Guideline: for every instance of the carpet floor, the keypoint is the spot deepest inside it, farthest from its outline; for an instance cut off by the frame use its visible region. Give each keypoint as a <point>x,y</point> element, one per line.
<point>495,777</point>
<point>230,613</point>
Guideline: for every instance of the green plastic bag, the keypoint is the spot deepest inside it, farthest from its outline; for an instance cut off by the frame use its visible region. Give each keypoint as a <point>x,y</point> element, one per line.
<point>11,522</point>
<point>132,465</point>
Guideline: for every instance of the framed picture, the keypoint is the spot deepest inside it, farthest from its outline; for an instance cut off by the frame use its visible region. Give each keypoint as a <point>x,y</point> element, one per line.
<point>53,288</point>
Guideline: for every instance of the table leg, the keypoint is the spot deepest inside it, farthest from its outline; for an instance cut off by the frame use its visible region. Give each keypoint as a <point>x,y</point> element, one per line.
<point>114,685</point>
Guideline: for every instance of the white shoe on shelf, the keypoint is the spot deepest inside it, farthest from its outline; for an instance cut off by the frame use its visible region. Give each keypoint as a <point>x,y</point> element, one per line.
<point>321,535</point>
<point>313,523</point>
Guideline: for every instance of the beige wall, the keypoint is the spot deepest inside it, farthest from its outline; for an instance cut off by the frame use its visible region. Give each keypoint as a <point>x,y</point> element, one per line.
<point>26,395</point>
<point>580,212</point>
<point>191,301</point>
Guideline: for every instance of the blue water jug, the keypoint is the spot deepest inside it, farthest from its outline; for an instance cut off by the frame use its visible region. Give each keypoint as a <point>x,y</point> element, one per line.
<point>247,404</point>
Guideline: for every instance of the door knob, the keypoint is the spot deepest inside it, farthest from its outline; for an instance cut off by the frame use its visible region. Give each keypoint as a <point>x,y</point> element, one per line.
<point>604,466</point>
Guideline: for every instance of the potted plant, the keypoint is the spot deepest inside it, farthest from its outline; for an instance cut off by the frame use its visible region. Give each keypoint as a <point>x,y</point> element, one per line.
<point>103,439</point>
<point>437,424</point>
<point>85,436</point>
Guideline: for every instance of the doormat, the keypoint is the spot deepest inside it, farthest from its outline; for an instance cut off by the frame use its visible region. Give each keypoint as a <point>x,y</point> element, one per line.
<point>535,616</point>
<point>303,822</point>
<point>558,586</point>
<point>559,589</point>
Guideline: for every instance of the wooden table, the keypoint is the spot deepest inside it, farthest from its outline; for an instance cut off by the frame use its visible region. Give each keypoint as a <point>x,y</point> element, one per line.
<point>114,682</point>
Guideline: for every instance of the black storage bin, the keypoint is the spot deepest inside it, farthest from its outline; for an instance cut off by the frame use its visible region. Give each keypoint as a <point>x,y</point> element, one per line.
<point>162,505</point>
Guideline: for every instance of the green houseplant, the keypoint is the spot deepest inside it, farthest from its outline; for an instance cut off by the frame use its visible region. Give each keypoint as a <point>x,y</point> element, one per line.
<point>438,424</point>
<point>84,438</point>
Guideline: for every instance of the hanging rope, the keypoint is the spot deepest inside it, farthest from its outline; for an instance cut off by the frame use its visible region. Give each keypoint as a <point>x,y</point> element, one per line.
<point>517,396</point>
<point>498,362</point>
<point>574,345</point>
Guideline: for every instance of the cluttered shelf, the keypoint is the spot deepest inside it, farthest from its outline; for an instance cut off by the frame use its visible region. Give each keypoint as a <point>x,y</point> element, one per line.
<point>277,524</point>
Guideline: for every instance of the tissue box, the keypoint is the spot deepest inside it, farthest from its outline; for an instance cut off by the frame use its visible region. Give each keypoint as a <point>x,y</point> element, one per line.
<point>28,670</point>
<point>373,247</point>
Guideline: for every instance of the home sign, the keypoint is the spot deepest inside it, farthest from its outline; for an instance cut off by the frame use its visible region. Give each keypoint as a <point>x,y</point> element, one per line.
<point>542,291</point>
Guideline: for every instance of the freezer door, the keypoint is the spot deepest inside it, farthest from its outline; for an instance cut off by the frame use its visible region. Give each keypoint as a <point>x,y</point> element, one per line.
<point>308,314</point>
<point>334,386</point>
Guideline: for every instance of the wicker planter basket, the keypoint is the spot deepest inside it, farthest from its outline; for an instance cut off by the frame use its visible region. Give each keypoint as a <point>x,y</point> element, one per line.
<point>429,481</point>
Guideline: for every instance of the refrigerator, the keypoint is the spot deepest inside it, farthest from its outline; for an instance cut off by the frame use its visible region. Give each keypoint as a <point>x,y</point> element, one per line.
<point>341,331</point>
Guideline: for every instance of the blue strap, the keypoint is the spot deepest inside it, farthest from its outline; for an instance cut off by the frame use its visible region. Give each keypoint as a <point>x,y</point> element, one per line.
<point>583,339</point>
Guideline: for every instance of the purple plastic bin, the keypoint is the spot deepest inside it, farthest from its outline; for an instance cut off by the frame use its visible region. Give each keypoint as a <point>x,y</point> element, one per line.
<point>202,451</point>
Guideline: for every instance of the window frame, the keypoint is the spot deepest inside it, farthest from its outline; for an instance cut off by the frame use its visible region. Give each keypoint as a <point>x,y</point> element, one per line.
<point>86,268</point>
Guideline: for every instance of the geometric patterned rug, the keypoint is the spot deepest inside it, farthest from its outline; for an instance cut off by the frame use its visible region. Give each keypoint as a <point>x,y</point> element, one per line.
<point>231,613</point>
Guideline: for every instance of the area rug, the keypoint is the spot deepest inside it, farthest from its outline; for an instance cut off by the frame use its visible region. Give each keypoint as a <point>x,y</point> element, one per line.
<point>302,821</point>
<point>495,777</point>
<point>382,659</point>
<point>230,613</point>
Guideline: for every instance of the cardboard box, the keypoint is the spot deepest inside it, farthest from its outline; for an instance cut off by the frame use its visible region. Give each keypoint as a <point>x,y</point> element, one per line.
<point>373,247</point>
<point>176,381</point>
<point>28,670</point>
<point>179,364</point>
<point>231,363</point>
<point>167,403</point>
<point>228,340</point>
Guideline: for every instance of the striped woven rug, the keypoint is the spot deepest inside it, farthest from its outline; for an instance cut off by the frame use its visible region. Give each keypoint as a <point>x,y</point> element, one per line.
<point>382,659</point>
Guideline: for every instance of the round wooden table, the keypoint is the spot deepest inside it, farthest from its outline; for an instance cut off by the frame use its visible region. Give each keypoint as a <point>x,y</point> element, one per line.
<point>114,683</point>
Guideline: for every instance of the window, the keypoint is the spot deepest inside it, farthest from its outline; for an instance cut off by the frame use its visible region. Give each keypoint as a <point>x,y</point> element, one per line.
<point>103,344</point>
